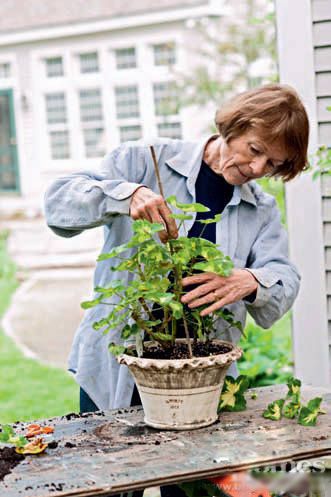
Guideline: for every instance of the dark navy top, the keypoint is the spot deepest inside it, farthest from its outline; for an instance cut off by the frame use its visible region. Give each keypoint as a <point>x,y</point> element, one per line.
<point>214,192</point>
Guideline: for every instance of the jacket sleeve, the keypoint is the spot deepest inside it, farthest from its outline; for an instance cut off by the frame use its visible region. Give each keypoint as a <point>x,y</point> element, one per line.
<point>89,199</point>
<point>278,278</point>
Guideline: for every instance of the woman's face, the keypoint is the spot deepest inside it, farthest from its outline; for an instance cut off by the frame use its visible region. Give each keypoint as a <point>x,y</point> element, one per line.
<point>249,157</point>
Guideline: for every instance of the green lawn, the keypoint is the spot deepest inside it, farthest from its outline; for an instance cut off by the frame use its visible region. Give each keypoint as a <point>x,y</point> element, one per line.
<point>28,390</point>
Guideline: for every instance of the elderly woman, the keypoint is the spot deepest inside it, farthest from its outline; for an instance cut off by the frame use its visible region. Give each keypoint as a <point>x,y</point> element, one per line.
<point>262,132</point>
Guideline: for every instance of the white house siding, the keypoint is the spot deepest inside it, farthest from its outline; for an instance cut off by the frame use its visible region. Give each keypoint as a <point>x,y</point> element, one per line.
<point>30,85</point>
<point>321,17</point>
<point>296,33</point>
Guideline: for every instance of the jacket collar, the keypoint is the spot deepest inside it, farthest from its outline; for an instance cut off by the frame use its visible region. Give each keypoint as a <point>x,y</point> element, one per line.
<point>187,162</point>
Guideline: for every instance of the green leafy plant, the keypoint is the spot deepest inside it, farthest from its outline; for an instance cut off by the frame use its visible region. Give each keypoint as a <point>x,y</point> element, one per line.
<point>149,306</point>
<point>292,408</point>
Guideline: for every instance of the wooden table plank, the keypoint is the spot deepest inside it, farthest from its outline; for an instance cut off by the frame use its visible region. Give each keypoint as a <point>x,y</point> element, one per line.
<point>116,451</point>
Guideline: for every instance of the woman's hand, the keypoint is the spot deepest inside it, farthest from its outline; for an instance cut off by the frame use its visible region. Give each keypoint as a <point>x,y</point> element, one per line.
<point>145,204</point>
<point>218,290</point>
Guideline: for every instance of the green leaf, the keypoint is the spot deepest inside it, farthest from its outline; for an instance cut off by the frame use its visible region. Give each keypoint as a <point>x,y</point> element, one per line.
<point>98,325</point>
<point>116,349</point>
<point>274,410</point>
<point>6,433</point>
<point>221,266</point>
<point>232,396</point>
<point>177,309</point>
<point>194,207</point>
<point>114,253</point>
<point>294,388</point>
<point>308,414</point>
<point>90,303</point>
<point>126,332</point>
<point>215,219</point>
<point>291,410</point>
<point>181,217</point>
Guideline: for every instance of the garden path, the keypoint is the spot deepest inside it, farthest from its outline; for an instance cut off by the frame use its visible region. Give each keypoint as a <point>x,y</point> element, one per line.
<point>56,275</point>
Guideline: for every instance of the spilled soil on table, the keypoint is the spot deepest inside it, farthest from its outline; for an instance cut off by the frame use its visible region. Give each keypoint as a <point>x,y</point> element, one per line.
<point>8,460</point>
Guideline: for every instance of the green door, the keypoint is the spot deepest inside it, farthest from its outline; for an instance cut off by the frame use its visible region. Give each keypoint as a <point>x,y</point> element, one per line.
<point>9,177</point>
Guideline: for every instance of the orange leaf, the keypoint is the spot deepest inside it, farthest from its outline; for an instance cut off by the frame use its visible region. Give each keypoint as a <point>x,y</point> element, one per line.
<point>33,427</point>
<point>34,432</point>
<point>48,429</point>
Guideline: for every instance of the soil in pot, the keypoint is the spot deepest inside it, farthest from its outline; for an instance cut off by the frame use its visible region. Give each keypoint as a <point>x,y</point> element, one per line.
<point>180,350</point>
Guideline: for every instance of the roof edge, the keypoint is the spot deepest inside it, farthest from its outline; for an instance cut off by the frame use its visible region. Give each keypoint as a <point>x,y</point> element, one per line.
<point>99,26</point>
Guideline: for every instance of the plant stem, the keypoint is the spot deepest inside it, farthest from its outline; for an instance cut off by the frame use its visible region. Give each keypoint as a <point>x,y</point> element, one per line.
<point>146,308</point>
<point>188,340</point>
<point>157,171</point>
<point>178,291</point>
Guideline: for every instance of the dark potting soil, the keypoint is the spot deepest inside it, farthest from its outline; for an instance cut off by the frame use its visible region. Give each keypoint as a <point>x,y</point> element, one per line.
<point>8,460</point>
<point>180,350</point>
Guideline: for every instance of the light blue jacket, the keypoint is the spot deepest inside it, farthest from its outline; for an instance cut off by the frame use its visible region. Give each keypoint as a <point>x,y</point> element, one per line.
<point>249,232</point>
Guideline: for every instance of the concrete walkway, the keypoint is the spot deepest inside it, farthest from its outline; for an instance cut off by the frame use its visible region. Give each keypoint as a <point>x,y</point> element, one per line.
<point>56,274</point>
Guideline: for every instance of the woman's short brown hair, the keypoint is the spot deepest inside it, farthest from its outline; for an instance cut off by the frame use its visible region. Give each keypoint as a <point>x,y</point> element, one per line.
<point>276,112</point>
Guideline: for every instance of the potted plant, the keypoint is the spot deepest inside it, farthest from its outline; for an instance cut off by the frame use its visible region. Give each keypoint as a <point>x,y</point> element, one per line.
<point>179,379</point>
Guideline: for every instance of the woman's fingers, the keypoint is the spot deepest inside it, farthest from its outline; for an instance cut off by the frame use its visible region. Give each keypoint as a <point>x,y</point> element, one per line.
<point>145,204</point>
<point>156,218</point>
<point>170,222</point>
<point>217,305</point>
<point>195,295</point>
<point>197,279</point>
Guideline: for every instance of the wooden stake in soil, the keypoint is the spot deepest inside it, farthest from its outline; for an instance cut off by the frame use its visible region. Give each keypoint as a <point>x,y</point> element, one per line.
<point>157,173</point>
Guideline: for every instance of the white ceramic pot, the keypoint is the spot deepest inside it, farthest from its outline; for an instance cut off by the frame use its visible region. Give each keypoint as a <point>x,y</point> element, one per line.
<point>181,394</point>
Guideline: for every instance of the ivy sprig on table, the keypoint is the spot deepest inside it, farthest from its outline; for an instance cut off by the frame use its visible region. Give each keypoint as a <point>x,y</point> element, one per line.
<point>292,408</point>
<point>233,399</point>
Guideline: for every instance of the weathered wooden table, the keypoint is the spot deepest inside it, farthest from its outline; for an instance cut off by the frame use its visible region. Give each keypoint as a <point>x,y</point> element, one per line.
<point>109,452</point>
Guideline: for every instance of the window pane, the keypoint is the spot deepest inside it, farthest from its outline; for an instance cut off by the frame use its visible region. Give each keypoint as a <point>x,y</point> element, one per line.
<point>164,54</point>
<point>5,70</point>
<point>165,98</point>
<point>93,142</point>
<point>8,180</point>
<point>89,62</point>
<point>54,67</point>
<point>170,130</point>
<point>90,105</point>
<point>125,58</point>
<point>59,144</point>
<point>128,133</point>
<point>127,104</point>
<point>56,109</point>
